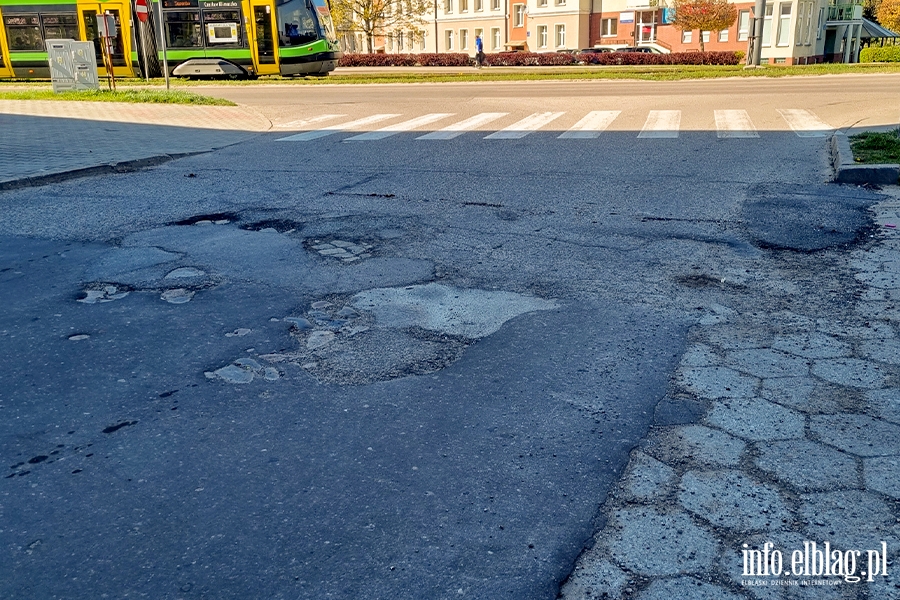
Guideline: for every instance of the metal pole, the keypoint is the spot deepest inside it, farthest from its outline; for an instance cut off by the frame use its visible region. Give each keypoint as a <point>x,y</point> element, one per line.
<point>759,16</point>
<point>162,38</point>
<point>142,33</point>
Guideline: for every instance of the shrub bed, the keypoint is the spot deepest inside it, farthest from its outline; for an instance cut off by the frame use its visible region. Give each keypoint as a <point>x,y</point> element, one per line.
<point>880,54</point>
<point>406,60</point>
<point>540,59</point>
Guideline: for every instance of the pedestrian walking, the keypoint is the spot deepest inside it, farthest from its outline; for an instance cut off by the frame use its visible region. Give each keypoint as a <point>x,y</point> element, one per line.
<point>479,52</point>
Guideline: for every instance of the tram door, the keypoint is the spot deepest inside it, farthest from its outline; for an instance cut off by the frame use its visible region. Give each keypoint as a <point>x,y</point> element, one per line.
<point>121,46</point>
<point>5,66</point>
<point>261,30</point>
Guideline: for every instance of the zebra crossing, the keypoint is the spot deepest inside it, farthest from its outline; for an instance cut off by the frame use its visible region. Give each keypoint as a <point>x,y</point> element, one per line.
<point>659,124</point>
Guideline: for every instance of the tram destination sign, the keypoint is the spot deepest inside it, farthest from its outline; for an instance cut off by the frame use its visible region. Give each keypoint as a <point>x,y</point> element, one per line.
<point>180,3</point>
<point>221,4</point>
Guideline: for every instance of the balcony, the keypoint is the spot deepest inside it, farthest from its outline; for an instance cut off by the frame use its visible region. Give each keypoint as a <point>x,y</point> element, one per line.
<point>845,12</point>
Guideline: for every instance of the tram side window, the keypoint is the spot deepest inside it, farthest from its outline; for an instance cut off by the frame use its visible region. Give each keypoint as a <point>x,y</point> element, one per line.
<point>183,29</point>
<point>23,32</point>
<point>298,25</point>
<point>60,27</point>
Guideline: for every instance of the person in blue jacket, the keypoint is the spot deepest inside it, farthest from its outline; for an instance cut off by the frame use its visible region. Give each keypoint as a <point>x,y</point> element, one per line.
<point>479,52</point>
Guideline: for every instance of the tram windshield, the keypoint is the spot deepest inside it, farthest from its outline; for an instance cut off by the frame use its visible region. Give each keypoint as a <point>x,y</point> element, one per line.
<point>325,18</point>
<point>297,22</point>
<point>304,21</point>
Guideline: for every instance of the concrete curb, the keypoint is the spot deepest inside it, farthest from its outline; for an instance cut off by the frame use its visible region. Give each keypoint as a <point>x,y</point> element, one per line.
<point>127,166</point>
<point>847,171</point>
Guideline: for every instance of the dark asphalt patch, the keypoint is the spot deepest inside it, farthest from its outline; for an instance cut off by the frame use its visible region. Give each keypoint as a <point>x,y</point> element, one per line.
<point>806,218</point>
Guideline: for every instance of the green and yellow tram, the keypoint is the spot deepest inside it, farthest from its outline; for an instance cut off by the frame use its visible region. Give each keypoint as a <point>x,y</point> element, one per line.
<point>202,37</point>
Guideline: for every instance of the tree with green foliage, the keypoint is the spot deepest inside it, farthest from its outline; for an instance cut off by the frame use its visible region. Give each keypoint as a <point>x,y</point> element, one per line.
<point>705,15</point>
<point>889,15</point>
<point>380,17</point>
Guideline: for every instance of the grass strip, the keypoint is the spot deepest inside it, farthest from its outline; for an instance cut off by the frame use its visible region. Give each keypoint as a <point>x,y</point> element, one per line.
<point>124,95</point>
<point>462,74</point>
<point>876,147</point>
<point>636,72</point>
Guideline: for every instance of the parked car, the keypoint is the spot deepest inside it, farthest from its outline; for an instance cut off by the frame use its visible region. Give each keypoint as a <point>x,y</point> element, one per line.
<point>644,49</point>
<point>594,50</point>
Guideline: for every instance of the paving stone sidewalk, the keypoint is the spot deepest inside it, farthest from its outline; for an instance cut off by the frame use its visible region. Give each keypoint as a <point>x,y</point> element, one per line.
<point>798,382</point>
<point>43,138</point>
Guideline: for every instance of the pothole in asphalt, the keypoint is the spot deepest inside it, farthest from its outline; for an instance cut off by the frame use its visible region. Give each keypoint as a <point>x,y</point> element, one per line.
<point>185,273</point>
<point>244,370</point>
<point>210,219</point>
<point>103,293</point>
<point>285,226</point>
<point>343,250</point>
<point>388,333</point>
<point>177,296</point>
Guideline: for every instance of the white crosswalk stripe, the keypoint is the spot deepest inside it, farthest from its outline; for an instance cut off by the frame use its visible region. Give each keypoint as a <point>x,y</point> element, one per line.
<point>734,124</point>
<point>319,133</point>
<point>457,129</point>
<point>592,125</point>
<point>390,130</point>
<point>661,124</point>
<point>805,123</point>
<point>527,125</point>
<point>301,123</point>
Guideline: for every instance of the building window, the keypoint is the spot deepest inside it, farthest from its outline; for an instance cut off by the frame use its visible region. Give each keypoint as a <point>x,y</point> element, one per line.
<point>686,37</point>
<point>463,6</point>
<point>495,4</point>
<point>519,15</point>
<point>560,2</point>
<point>723,35</point>
<point>801,13</point>
<point>542,3</point>
<point>480,33</point>
<point>448,40</point>
<point>809,13</point>
<point>560,36</point>
<point>784,25</point>
<point>479,5</point>
<point>609,27</point>
<point>819,23</point>
<point>767,26</point>
<point>495,38</point>
<point>704,35</point>
<point>463,39</point>
<point>542,36</point>
<point>448,6</point>
<point>743,25</point>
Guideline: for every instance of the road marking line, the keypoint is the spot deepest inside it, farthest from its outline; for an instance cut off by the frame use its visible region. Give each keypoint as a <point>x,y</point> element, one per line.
<point>300,124</point>
<point>457,129</point>
<point>527,125</point>
<point>319,133</point>
<point>661,124</point>
<point>390,130</point>
<point>592,125</point>
<point>805,123</point>
<point>734,124</point>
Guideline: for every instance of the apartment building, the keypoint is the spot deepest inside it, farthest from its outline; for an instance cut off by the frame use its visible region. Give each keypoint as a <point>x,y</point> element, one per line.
<point>794,31</point>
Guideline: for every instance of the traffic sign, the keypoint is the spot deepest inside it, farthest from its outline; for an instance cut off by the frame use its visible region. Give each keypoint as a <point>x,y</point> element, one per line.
<point>140,8</point>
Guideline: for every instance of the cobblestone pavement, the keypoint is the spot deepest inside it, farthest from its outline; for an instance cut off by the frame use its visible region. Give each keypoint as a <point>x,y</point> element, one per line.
<point>47,137</point>
<point>797,380</point>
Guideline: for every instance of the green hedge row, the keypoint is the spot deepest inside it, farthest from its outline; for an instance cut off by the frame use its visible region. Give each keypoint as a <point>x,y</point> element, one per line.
<point>880,54</point>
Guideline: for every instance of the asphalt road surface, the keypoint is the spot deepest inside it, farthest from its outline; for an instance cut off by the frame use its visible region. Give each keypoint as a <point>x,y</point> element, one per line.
<point>306,366</point>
